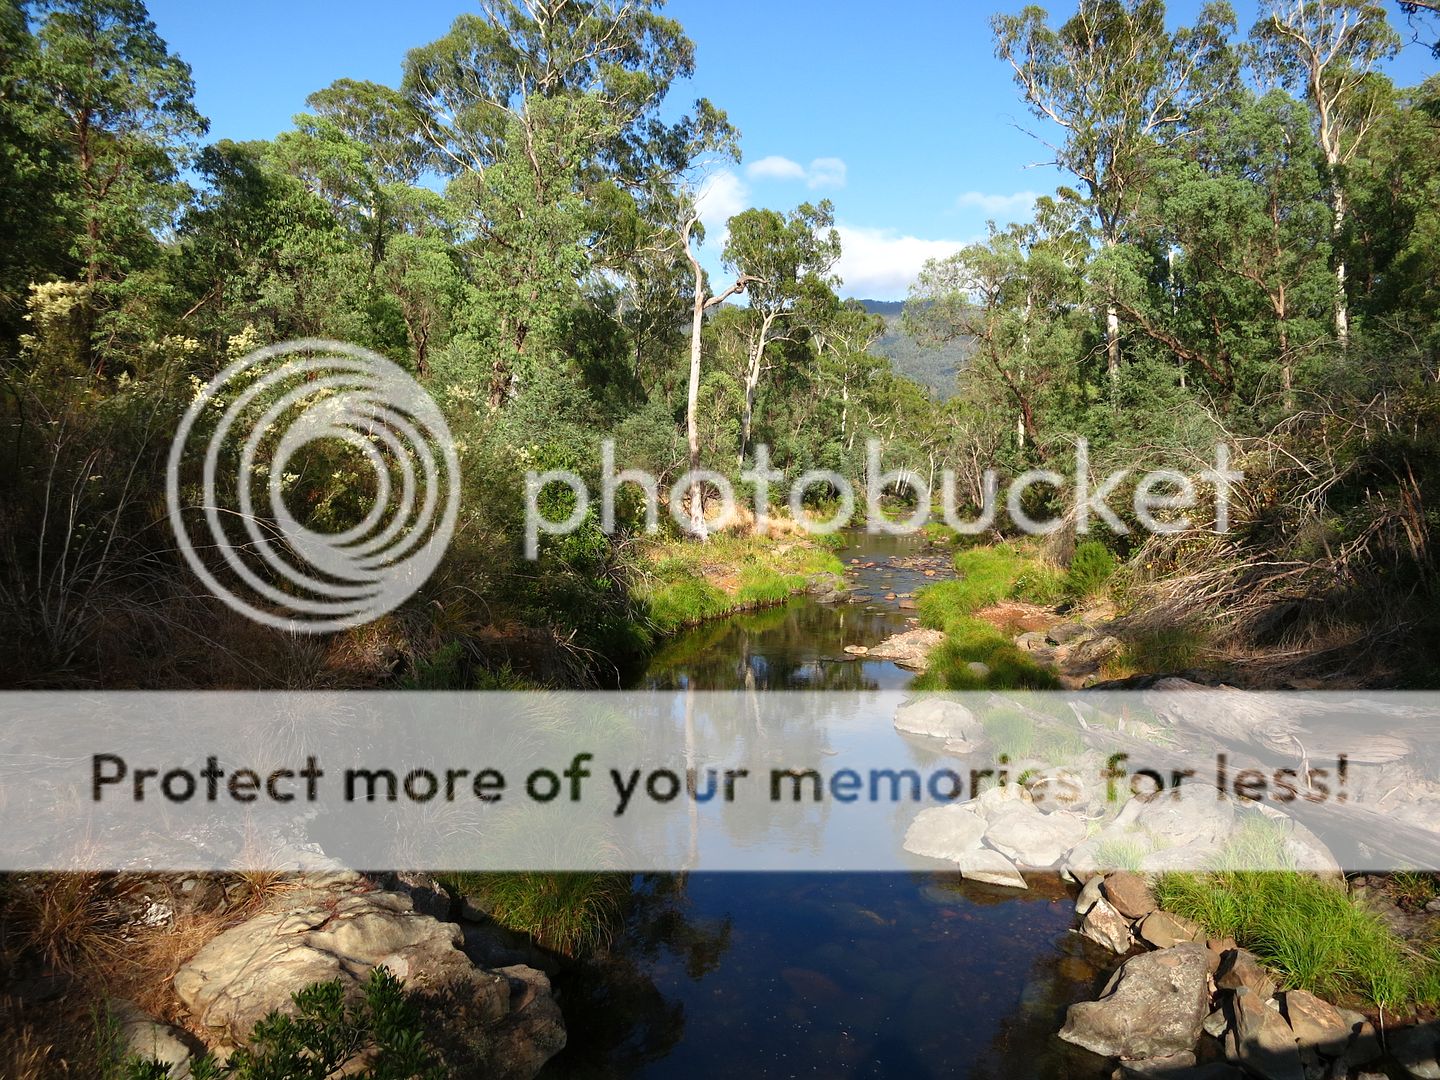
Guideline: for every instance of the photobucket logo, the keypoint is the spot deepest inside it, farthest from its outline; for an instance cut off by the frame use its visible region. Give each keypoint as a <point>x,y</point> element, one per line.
<point>258,415</point>
<point>1162,500</point>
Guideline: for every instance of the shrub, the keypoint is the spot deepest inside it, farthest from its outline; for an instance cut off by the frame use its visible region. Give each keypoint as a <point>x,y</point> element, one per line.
<point>1090,569</point>
<point>321,1036</point>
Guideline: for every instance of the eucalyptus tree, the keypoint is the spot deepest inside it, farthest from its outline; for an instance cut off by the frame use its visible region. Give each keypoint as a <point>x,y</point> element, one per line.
<point>535,110</point>
<point>786,258</point>
<point>1013,294</point>
<point>1247,211</point>
<point>1330,52</point>
<point>109,93</point>
<point>1121,88</point>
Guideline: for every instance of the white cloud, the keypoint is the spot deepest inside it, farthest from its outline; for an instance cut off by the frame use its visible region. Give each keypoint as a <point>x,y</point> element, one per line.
<point>775,167</point>
<point>1022,202</point>
<point>827,172</point>
<point>878,264</point>
<point>824,172</point>
<point>721,197</point>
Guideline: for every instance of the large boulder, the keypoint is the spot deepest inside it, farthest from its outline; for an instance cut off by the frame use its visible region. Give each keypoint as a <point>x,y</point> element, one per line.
<point>502,1023</point>
<point>1154,1006</point>
<point>1264,1040</point>
<point>937,717</point>
<point>945,832</point>
<point>1030,837</point>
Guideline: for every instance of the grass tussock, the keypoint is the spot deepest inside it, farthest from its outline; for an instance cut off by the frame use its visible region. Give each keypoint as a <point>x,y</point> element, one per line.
<point>574,914</point>
<point>1309,932</point>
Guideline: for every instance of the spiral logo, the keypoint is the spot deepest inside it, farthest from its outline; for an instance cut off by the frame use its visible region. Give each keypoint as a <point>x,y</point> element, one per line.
<point>274,409</point>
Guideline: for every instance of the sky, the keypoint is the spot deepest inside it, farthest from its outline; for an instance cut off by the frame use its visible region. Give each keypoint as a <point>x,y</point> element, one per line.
<point>899,113</point>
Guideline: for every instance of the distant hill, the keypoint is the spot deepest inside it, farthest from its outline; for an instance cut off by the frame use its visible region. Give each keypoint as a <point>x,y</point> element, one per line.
<point>932,368</point>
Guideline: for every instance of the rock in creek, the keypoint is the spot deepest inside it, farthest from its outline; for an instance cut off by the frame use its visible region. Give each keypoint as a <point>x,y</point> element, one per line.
<point>1316,1023</point>
<point>1153,1007</point>
<point>1031,838</point>
<point>1130,894</point>
<point>1106,926</point>
<point>937,717</point>
<point>909,650</point>
<point>945,832</point>
<point>1265,1043</point>
<point>1162,930</point>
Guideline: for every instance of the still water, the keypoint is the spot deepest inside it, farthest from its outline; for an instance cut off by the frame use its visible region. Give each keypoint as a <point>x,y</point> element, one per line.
<point>844,975</point>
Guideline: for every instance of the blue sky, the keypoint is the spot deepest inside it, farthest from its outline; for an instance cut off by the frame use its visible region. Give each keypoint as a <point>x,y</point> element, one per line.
<point>899,113</point>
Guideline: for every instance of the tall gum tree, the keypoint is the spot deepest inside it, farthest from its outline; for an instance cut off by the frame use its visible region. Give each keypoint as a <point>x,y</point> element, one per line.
<point>1329,51</point>
<point>559,99</point>
<point>1120,87</point>
<point>784,257</point>
<point>112,94</point>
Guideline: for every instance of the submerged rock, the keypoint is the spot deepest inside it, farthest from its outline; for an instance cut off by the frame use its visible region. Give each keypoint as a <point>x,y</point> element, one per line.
<point>1153,1007</point>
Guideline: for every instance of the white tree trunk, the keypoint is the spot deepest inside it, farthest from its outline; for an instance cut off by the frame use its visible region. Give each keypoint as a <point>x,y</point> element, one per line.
<point>1342,302</point>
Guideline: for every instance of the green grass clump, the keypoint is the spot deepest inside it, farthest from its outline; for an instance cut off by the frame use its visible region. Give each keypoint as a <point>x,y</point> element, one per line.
<point>1117,853</point>
<point>573,914</point>
<point>1091,568</point>
<point>679,604</point>
<point>1308,931</point>
<point>1020,738</point>
<point>1164,648</point>
<point>987,576</point>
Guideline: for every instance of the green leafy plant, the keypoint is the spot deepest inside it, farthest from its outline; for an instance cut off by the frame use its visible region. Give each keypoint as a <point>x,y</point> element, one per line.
<point>321,1037</point>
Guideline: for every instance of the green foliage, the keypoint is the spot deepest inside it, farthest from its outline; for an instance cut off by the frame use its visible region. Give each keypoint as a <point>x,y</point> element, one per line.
<point>1308,930</point>
<point>320,1035</point>
<point>574,914</point>
<point>1091,568</point>
<point>987,576</point>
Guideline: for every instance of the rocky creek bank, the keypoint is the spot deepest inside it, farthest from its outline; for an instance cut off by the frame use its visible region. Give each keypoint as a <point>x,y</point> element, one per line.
<point>483,1007</point>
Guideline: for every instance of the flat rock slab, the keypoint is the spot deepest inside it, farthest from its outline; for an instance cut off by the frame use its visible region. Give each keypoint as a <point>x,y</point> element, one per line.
<point>991,868</point>
<point>1164,930</point>
<point>1153,1007</point>
<point>909,650</point>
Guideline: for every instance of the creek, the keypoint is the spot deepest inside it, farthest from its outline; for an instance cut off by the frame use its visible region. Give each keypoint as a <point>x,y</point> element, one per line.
<point>857,975</point>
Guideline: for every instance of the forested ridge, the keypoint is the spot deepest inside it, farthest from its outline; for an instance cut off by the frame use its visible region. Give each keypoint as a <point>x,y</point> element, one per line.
<point>1246,251</point>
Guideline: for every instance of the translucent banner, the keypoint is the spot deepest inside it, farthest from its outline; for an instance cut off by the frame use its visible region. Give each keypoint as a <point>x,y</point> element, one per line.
<point>991,784</point>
